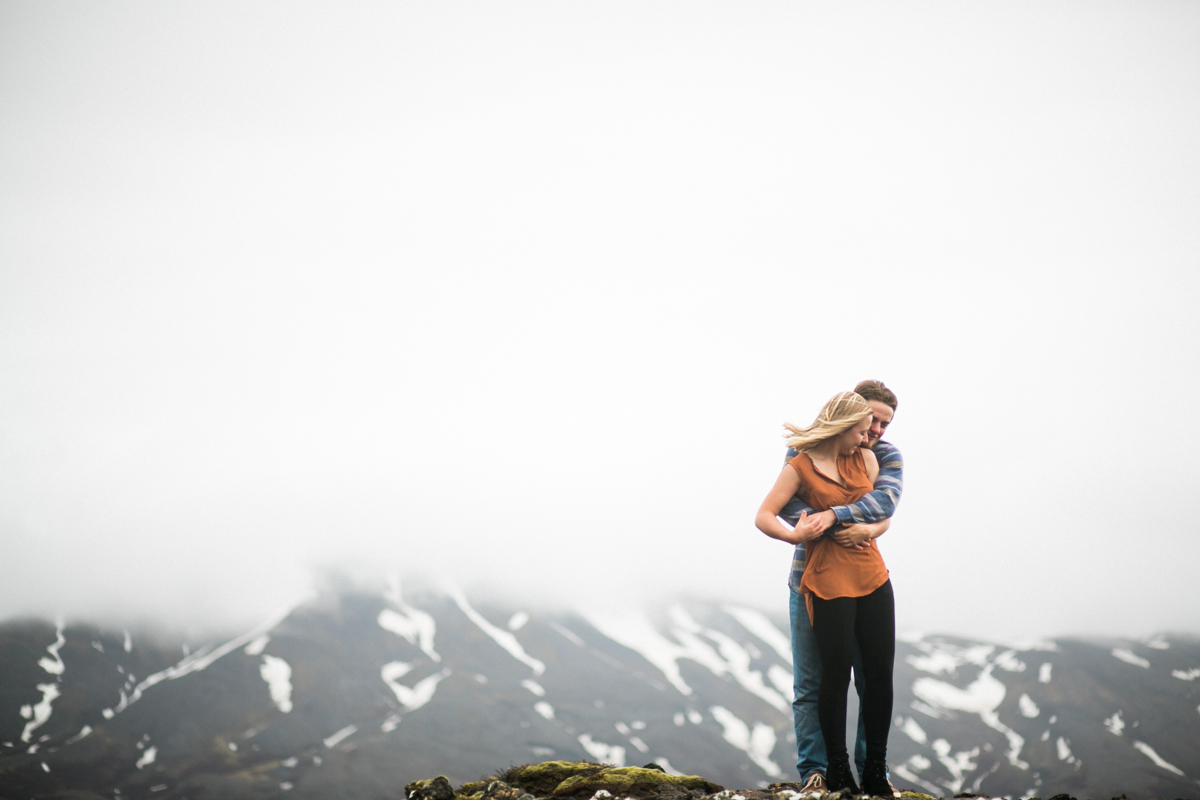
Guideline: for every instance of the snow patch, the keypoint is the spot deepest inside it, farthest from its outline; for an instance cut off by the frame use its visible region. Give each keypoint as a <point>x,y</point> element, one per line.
<point>196,662</point>
<point>936,662</point>
<point>1158,643</point>
<point>782,679</point>
<point>84,731</point>
<point>278,675</point>
<point>418,695</point>
<point>940,657</point>
<point>1032,645</point>
<point>912,730</point>
<point>39,714</point>
<point>413,624</point>
<point>1028,707</point>
<point>982,697</point>
<point>55,666</point>
<point>958,764</point>
<point>147,757</point>
<point>1188,675</point>
<point>635,632</point>
<point>1115,724</point>
<point>757,744</point>
<point>1008,661</point>
<point>544,708</point>
<point>729,658</point>
<point>1158,760</point>
<point>337,738</point>
<point>1064,751</point>
<point>757,623</point>
<point>1044,672</point>
<point>920,762</point>
<point>518,621</point>
<point>1129,657</point>
<point>534,687</point>
<point>501,637</point>
<point>908,770</point>
<point>666,765</point>
<point>603,753</point>
<point>256,647</point>
<point>568,634</point>
<point>736,662</point>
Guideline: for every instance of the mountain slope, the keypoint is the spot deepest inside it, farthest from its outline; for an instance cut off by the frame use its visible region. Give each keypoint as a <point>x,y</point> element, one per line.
<point>357,694</point>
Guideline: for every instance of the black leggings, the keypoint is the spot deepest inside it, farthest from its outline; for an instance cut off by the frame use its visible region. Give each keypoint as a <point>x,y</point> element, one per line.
<point>837,625</point>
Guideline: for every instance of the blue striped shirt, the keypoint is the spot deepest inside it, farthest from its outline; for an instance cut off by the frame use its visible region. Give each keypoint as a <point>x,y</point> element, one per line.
<point>876,505</point>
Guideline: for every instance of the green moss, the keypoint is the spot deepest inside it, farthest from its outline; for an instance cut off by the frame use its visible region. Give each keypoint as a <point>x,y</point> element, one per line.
<point>433,789</point>
<point>916,796</point>
<point>632,781</point>
<point>542,779</point>
<point>474,787</point>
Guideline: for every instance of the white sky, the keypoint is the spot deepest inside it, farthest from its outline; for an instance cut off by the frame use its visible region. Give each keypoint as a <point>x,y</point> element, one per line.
<point>522,292</point>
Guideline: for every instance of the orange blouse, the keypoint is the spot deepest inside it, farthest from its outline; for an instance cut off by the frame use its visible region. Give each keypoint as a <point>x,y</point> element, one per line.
<point>832,570</point>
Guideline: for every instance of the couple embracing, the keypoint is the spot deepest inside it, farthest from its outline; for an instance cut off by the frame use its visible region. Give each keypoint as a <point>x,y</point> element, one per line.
<point>839,489</point>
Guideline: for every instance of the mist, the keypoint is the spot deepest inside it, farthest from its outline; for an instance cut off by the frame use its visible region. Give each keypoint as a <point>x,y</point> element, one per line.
<point>518,297</point>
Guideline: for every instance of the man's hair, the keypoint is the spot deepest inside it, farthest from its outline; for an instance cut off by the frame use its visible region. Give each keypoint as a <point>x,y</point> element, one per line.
<point>875,390</point>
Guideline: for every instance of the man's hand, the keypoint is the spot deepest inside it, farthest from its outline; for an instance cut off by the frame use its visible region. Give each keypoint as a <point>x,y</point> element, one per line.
<point>823,521</point>
<point>856,536</point>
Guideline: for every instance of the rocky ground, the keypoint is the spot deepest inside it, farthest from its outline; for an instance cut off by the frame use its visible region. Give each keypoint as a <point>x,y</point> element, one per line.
<point>585,780</point>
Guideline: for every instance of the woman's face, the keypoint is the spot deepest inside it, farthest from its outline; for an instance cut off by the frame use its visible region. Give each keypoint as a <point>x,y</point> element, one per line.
<point>854,438</point>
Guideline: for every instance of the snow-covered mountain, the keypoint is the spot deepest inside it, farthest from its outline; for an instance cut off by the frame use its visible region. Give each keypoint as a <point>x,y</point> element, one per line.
<point>356,694</point>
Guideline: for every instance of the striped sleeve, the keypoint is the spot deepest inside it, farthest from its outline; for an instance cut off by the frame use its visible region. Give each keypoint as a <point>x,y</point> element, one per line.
<point>880,503</point>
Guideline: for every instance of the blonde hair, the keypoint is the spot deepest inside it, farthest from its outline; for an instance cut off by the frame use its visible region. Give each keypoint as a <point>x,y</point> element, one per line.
<point>843,411</point>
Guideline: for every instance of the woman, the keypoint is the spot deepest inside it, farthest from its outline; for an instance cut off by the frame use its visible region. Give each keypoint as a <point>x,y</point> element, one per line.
<point>847,590</point>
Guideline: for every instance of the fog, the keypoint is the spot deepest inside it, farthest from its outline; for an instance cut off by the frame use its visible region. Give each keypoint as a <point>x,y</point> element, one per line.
<point>518,296</point>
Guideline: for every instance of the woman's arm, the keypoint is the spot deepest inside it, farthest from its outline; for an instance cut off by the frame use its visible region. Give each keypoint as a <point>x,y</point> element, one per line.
<point>808,527</point>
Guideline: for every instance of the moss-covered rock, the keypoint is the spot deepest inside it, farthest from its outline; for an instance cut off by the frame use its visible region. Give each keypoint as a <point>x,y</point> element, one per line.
<point>543,779</point>
<point>438,788</point>
<point>633,782</point>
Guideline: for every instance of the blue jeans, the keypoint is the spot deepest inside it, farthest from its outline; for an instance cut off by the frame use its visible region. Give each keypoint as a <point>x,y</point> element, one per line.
<point>806,682</point>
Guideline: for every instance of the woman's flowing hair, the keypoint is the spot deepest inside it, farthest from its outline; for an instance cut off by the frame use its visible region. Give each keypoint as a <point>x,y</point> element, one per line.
<point>841,413</point>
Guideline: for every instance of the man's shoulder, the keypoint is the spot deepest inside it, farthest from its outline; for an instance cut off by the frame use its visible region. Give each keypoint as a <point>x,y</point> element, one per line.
<point>888,454</point>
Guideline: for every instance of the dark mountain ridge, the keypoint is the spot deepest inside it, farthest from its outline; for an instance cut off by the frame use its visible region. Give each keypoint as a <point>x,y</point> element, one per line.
<point>358,694</point>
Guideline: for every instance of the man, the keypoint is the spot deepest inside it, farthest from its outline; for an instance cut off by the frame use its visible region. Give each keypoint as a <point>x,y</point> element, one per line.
<point>850,526</point>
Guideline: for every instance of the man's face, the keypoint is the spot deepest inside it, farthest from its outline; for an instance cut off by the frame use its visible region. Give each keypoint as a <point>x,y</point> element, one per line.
<point>882,417</point>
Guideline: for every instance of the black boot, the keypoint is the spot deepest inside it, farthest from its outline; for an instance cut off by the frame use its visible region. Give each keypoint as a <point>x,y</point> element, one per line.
<point>874,778</point>
<point>838,775</point>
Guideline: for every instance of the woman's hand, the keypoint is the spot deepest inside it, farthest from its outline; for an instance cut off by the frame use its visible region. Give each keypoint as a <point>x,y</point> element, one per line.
<point>810,525</point>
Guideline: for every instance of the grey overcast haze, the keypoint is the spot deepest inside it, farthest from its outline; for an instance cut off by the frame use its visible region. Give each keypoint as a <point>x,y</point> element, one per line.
<point>518,295</point>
